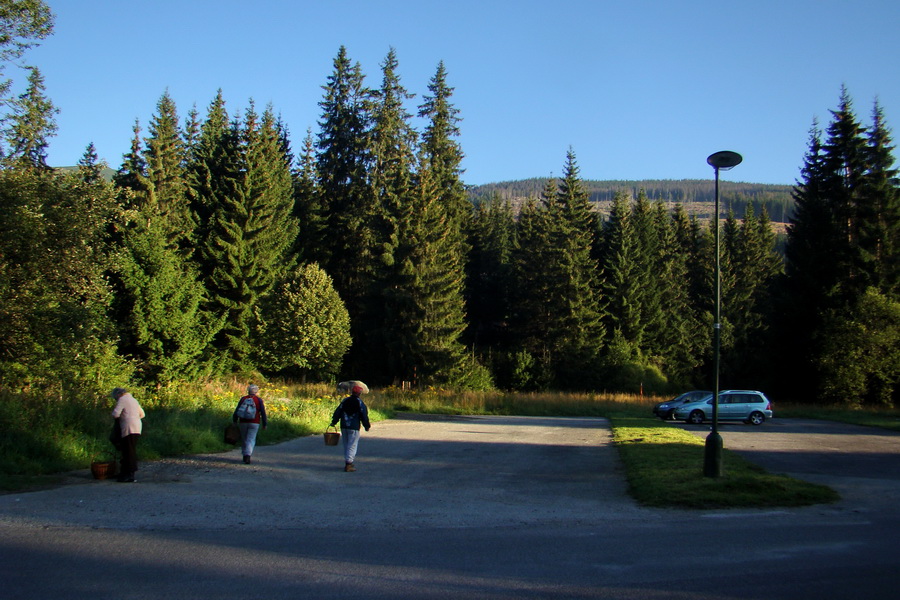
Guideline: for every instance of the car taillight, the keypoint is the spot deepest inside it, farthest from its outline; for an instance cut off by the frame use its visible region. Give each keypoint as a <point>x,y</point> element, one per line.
<point>769,406</point>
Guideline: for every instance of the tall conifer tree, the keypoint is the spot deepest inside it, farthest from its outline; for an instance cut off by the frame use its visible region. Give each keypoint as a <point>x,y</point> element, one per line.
<point>253,227</point>
<point>308,206</point>
<point>166,183</point>
<point>489,274</point>
<point>342,166</point>
<point>880,228</point>
<point>162,325</point>
<point>31,126</point>
<point>386,317</point>
<point>348,203</point>
<point>832,241</point>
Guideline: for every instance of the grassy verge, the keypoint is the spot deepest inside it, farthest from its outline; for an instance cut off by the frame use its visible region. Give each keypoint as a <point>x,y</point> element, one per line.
<point>45,438</point>
<point>664,468</point>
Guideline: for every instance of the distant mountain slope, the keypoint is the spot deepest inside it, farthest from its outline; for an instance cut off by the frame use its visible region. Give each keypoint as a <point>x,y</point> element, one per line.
<point>106,172</point>
<point>697,195</point>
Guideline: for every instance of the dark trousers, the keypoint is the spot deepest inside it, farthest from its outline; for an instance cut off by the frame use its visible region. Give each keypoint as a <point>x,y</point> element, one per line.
<point>129,454</point>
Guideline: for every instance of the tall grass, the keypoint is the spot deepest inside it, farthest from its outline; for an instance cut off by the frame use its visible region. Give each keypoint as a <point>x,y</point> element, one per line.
<point>543,404</point>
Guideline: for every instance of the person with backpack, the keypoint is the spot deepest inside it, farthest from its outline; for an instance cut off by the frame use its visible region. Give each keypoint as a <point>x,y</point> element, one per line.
<point>250,414</point>
<point>351,412</point>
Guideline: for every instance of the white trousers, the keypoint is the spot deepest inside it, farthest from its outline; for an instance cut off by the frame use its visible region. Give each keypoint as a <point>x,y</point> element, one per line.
<point>351,441</point>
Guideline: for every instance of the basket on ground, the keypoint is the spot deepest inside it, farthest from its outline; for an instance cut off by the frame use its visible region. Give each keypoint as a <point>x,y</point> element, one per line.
<point>104,469</point>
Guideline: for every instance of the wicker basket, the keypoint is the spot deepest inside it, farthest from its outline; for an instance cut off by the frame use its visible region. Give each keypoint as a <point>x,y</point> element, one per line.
<point>332,438</point>
<point>102,470</point>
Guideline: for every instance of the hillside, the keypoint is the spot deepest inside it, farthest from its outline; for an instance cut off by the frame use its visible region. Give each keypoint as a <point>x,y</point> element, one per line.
<point>697,195</point>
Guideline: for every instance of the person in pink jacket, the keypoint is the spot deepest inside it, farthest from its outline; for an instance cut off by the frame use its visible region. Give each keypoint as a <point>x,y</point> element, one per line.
<point>128,413</point>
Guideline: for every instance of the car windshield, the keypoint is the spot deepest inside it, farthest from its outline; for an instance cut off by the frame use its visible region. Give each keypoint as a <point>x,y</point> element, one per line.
<point>692,396</point>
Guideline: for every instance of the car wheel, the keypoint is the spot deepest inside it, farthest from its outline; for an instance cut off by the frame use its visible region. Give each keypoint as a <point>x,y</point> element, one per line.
<point>696,417</point>
<point>756,418</point>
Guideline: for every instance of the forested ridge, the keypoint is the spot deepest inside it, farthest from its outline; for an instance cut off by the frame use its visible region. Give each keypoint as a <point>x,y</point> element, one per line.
<point>224,247</point>
<point>697,195</point>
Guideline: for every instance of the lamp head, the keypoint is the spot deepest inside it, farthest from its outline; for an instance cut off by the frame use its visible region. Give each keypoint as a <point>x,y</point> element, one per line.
<point>724,160</point>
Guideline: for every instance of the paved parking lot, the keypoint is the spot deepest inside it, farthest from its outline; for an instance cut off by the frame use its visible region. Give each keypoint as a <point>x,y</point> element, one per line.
<point>458,507</point>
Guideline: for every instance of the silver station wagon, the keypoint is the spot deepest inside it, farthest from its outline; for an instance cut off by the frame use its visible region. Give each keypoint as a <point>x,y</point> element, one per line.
<point>749,406</point>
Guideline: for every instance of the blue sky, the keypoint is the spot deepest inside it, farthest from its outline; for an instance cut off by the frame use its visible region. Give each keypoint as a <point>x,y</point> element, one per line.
<point>638,89</point>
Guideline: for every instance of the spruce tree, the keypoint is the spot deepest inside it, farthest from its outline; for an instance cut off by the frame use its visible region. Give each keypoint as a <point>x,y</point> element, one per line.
<point>308,206</point>
<point>31,126</point>
<point>212,166</point>
<point>342,165</point>
<point>439,176</point>
<point>159,303</point>
<point>491,237</point>
<point>348,253</point>
<point>529,313</point>
<point>252,230</point>
<point>681,340</point>
<point>751,310</point>
<point>164,330</point>
<point>576,241</point>
<point>647,227</point>
<point>846,165</point>
<point>131,177</point>
<point>89,166</point>
<point>833,253</point>
<point>559,318</point>
<point>879,236</point>
<point>620,285</point>
<point>441,274</point>
<point>385,316</point>
<point>165,156</point>
<point>444,154</point>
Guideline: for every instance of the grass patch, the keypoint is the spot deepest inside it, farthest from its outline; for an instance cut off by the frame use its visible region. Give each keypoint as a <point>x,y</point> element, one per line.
<point>664,468</point>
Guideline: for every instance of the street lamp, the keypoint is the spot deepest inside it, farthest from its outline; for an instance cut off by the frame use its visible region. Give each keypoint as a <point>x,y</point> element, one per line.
<point>712,459</point>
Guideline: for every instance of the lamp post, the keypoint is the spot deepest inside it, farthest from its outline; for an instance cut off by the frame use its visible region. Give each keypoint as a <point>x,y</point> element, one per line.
<point>712,459</point>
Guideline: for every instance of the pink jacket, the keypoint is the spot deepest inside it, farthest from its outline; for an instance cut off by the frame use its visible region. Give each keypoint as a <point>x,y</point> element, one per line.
<point>129,413</point>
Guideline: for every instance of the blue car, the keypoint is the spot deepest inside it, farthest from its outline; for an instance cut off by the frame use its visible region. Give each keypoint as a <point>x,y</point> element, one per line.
<point>666,410</point>
<point>749,406</point>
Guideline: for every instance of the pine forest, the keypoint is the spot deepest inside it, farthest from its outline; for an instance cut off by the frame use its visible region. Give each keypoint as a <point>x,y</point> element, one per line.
<point>223,246</point>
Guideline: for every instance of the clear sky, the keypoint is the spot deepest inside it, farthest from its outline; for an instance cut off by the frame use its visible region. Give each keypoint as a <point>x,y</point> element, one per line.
<point>639,89</point>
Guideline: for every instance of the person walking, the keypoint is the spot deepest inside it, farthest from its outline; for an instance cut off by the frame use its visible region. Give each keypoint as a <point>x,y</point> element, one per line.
<point>351,412</point>
<point>128,413</point>
<point>250,413</point>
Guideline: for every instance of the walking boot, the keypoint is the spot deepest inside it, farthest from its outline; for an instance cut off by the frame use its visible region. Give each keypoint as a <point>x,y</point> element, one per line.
<point>349,467</point>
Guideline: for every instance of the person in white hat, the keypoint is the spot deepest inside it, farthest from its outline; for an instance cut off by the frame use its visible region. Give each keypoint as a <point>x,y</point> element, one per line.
<point>351,412</point>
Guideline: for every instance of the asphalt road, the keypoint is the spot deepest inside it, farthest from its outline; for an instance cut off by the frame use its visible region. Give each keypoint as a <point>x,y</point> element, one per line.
<point>457,507</point>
